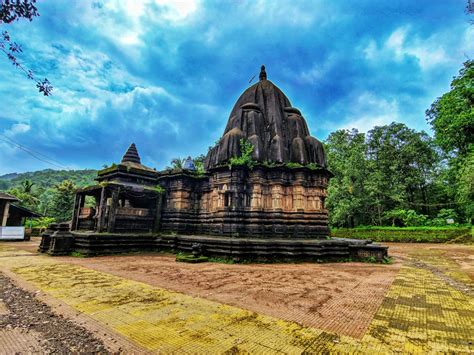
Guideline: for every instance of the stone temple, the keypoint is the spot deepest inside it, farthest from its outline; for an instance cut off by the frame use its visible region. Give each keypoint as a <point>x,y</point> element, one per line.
<point>273,207</point>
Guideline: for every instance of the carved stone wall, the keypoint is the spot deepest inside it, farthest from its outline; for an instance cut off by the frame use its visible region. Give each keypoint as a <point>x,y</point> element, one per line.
<point>240,202</point>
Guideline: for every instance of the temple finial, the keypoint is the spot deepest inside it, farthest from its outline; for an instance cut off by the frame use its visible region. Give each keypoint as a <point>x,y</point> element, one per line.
<point>263,73</point>
<point>131,155</point>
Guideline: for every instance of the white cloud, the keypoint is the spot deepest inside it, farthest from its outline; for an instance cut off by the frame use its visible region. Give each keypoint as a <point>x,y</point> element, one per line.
<point>318,70</point>
<point>17,128</point>
<point>402,43</point>
<point>367,111</point>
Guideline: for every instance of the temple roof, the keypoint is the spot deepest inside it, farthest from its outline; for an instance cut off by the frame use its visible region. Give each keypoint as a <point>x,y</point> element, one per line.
<point>131,155</point>
<point>264,116</point>
<point>129,166</point>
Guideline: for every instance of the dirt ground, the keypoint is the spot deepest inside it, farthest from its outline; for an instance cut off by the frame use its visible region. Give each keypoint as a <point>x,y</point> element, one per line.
<point>341,298</point>
<point>337,297</point>
<point>29,325</point>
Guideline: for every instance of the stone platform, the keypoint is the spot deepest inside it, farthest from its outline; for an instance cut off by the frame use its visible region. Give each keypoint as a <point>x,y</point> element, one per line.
<point>296,249</point>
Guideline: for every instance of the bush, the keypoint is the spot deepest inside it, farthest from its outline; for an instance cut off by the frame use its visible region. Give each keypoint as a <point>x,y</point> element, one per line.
<point>41,222</point>
<point>407,234</point>
<point>406,218</point>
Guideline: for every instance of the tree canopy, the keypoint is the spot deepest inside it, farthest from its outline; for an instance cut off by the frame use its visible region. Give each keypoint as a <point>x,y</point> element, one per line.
<point>452,115</point>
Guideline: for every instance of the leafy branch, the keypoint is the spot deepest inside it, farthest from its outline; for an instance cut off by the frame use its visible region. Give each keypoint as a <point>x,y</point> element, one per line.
<point>14,10</point>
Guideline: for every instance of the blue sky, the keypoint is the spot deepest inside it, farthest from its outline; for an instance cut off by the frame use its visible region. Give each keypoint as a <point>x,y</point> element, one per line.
<point>165,75</point>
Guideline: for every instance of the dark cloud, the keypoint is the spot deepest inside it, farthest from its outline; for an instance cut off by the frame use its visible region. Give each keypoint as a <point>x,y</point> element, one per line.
<point>167,76</point>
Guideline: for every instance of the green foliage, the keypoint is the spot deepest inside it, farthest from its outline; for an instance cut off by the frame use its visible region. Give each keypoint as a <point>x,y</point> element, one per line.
<point>270,164</point>
<point>41,222</point>
<point>89,201</point>
<point>159,189</point>
<point>77,254</point>
<point>452,115</point>
<point>27,200</point>
<point>452,118</point>
<point>48,178</point>
<point>407,218</point>
<point>199,164</point>
<point>186,258</point>
<point>347,197</point>
<point>313,166</point>
<point>27,186</point>
<point>245,158</point>
<point>381,175</point>
<point>177,163</point>
<point>292,165</point>
<point>63,200</point>
<point>406,235</point>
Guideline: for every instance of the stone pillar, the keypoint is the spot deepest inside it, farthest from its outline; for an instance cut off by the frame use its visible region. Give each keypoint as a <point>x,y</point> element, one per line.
<point>5,214</point>
<point>159,202</point>
<point>101,214</point>
<point>113,210</point>
<point>76,212</point>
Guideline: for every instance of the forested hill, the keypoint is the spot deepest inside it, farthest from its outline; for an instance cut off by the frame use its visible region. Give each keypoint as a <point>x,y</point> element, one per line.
<point>48,178</point>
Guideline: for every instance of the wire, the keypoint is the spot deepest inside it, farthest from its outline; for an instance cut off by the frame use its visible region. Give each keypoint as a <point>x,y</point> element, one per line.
<point>33,153</point>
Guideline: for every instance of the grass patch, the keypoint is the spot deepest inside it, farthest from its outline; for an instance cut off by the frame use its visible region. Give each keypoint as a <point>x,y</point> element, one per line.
<point>77,254</point>
<point>191,259</point>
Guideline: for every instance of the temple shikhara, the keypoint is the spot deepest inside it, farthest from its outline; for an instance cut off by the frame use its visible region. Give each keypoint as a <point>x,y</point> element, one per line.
<point>272,206</point>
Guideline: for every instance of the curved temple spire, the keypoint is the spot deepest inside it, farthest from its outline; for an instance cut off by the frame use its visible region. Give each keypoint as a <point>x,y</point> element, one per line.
<point>264,116</point>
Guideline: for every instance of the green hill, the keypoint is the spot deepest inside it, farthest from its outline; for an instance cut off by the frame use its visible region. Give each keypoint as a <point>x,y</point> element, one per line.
<point>48,178</point>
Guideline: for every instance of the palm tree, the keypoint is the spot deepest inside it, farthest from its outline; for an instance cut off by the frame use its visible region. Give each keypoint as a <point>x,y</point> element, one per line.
<point>27,186</point>
<point>177,163</point>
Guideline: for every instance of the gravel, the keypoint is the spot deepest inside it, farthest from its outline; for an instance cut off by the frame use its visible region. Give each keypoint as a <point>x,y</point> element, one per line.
<point>59,335</point>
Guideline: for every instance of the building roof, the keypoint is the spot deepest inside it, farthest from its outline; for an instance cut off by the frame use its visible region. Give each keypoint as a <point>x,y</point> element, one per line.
<point>24,212</point>
<point>263,115</point>
<point>5,196</point>
<point>130,167</point>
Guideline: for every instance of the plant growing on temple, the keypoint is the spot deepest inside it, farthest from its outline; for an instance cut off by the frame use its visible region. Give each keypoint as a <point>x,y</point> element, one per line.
<point>159,189</point>
<point>11,10</point>
<point>63,201</point>
<point>293,165</point>
<point>270,164</point>
<point>177,163</point>
<point>245,158</point>
<point>199,164</point>
<point>312,166</point>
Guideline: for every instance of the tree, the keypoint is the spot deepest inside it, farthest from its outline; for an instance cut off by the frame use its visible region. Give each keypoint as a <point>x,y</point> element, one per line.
<point>452,115</point>
<point>452,118</point>
<point>63,200</point>
<point>11,10</point>
<point>27,186</point>
<point>401,164</point>
<point>392,168</point>
<point>346,151</point>
<point>177,163</point>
